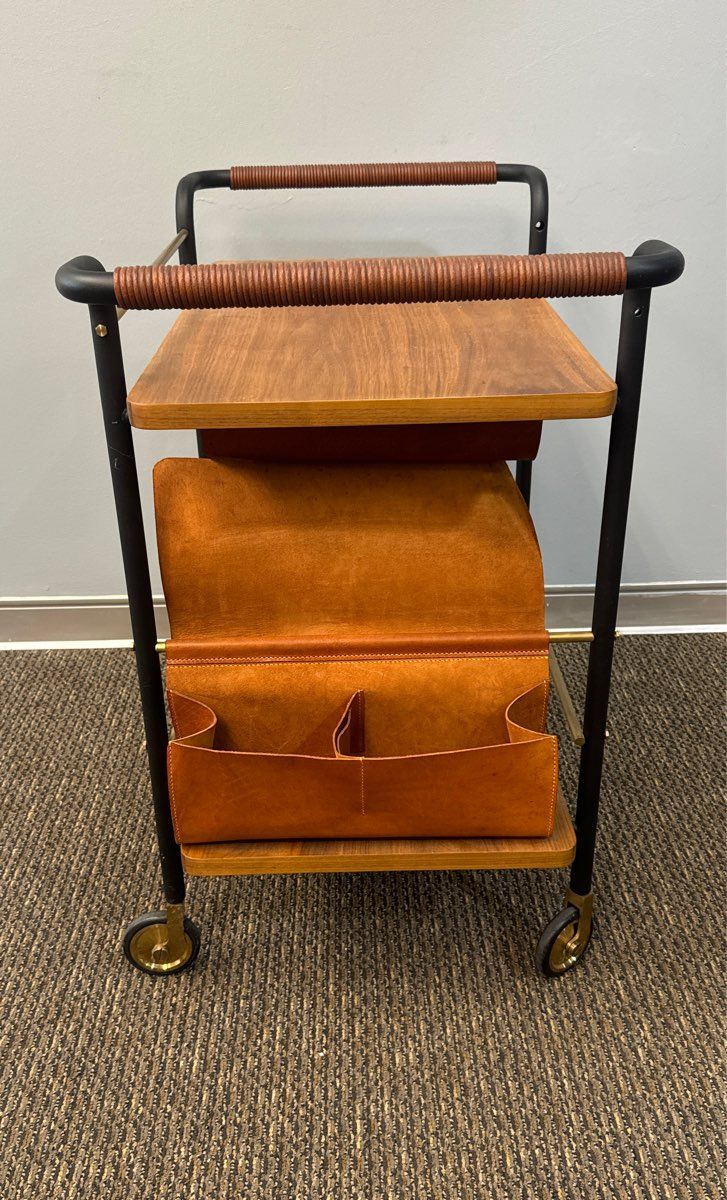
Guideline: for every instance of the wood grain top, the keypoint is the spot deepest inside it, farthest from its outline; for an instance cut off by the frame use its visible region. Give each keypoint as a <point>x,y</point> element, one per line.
<point>505,360</point>
<point>415,854</point>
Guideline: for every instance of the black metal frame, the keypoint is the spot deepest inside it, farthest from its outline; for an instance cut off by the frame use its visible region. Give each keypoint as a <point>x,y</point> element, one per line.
<point>652,265</point>
<point>199,181</point>
<point>125,480</point>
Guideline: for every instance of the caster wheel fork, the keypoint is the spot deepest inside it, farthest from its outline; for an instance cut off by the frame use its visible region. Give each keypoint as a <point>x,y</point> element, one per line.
<point>162,943</point>
<point>565,939</point>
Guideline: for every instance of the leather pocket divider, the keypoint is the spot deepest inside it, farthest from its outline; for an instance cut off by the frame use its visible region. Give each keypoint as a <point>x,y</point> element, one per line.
<point>328,787</point>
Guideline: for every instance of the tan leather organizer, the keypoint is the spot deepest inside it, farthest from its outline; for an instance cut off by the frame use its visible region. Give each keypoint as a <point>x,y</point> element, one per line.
<point>358,650</point>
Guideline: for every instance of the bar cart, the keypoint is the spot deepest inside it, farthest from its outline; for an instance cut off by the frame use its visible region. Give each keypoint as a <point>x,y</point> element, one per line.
<point>350,530</point>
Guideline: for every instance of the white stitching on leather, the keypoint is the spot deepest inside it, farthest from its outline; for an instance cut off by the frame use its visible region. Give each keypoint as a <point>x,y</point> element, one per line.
<point>274,658</point>
<point>361,730</point>
<point>555,783</point>
<point>554,743</point>
<point>170,778</point>
<point>170,774</point>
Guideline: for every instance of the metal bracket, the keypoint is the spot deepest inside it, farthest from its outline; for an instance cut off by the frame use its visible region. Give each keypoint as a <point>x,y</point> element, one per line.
<point>570,944</point>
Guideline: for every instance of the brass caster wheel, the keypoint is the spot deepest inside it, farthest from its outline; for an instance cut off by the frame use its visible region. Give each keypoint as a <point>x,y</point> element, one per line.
<point>565,939</point>
<point>162,943</point>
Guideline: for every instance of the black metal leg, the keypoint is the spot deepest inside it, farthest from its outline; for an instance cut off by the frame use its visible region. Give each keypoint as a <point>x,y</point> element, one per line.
<point>112,385</point>
<point>629,372</point>
<point>523,478</point>
<point>566,937</point>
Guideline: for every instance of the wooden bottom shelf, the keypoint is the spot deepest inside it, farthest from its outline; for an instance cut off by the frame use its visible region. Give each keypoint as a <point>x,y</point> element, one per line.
<point>411,854</point>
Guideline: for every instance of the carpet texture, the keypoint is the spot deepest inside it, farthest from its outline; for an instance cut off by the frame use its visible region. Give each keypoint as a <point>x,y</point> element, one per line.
<point>360,1037</point>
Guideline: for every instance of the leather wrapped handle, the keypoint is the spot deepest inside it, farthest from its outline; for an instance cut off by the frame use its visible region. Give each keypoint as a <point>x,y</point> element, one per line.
<point>347,175</point>
<point>370,281</point>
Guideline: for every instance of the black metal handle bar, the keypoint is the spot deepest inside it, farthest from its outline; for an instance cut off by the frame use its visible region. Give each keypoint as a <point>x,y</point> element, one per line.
<point>198,181</point>
<point>653,264</point>
<point>85,281</point>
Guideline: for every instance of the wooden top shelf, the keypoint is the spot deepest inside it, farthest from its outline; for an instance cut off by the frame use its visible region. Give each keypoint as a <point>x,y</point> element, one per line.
<point>504,360</point>
<point>416,854</point>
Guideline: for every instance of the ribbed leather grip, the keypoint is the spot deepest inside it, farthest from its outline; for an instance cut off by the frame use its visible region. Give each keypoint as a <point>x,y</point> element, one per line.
<point>370,281</point>
<point>346,175</point>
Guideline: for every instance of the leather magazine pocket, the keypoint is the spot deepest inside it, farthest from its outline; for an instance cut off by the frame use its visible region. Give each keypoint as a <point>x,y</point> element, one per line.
<point>329,786</point>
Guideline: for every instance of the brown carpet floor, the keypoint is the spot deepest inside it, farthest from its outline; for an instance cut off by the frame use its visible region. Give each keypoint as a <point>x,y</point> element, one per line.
<point>360,1036</point>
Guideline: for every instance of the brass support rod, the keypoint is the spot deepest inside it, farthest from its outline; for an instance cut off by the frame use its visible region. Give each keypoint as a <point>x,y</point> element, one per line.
<point>570,635</point>
<point>555,635</point>
<point>161,258</point>
<point>566,703</point>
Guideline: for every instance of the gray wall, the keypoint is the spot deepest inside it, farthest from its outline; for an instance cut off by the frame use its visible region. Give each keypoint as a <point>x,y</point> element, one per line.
<point>105,107</point>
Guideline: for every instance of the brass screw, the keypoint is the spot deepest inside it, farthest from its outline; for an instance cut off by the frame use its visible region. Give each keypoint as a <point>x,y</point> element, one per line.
<point>101,330</point>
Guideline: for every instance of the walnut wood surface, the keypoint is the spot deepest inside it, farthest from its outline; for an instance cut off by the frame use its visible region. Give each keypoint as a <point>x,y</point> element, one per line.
<point>419,854</point>
<point>369,365</point>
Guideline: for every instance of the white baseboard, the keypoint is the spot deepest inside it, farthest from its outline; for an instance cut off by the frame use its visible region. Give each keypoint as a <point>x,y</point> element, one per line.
<point>674,607</point>
<point>90,621</point>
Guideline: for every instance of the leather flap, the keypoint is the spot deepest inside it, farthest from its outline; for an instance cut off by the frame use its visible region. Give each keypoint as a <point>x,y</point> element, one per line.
<point>526,713</point>
<point>345,552</point>
<point>349,739</point>
<point>195,723</point>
